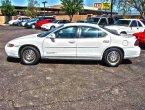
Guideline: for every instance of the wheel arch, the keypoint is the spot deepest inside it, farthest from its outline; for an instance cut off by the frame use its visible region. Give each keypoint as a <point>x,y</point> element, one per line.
<point>123,32</point>
<point>30,46</point>
<point>112,48</point>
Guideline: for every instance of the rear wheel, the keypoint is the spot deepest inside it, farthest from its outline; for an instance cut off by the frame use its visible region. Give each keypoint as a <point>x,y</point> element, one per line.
<point>113,57</point>
<point>29,55</point>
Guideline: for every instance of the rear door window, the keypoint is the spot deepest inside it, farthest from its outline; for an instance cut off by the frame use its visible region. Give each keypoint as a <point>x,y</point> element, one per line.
<point>91,32</point>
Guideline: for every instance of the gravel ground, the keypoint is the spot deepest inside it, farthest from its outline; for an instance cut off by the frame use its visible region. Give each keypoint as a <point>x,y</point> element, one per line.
<point>69,85</point>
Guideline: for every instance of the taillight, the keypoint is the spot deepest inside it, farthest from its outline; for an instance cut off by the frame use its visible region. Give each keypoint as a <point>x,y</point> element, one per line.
<point>136,43</point>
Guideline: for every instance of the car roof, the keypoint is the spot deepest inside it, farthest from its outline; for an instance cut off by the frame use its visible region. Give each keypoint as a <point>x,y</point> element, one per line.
<point>130,19</point>
<point>81,24</point>
<point>101,17</point>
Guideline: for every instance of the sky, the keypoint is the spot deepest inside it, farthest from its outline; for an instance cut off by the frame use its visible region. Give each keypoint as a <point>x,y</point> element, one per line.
<point>50,2</point>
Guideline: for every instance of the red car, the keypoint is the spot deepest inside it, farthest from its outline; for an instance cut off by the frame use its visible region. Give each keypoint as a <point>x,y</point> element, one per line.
<point>39,23</point>
<point>140,37</point>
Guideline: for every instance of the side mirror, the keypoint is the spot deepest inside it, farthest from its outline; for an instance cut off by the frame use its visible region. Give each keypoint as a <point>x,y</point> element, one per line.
<point>52,36</point>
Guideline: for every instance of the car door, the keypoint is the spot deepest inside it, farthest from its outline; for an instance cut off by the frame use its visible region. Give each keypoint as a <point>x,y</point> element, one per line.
<point>133,28</point>
<point>141,26</point>
<point>91,43</point>
<point>63,46</point>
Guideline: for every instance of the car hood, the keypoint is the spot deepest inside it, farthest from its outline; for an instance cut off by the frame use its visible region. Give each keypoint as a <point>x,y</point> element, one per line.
<point>26,37</point>
<point>48,24</point>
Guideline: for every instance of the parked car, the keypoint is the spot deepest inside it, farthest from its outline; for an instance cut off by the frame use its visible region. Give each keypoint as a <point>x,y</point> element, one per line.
<point>79,41</point>
<point>101,20</point>
<point>54,24</point>
<point>128,26</point>
<point>23,23</point>
<point>31,23</point>
<point>140,37</point>
<point>18,20</point>
<point>39,23</point>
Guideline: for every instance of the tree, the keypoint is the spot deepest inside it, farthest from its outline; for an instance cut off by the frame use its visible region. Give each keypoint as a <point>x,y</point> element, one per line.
<point>7,9</point>
<point>32,8</point>
<point>127,5</point>
<point>72,7</point>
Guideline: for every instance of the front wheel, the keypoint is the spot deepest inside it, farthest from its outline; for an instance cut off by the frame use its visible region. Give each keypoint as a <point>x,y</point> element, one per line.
<point>113,57</point>
<point>29,55</point>
<point>52,27</point>
<point>33,26</point>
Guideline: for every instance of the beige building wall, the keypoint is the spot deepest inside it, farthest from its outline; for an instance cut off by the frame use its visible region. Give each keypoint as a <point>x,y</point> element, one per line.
<point>2,19</point>
<point>75,17</point>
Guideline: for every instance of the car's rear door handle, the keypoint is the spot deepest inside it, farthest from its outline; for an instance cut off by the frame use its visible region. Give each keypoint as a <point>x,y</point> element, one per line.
<point>106,41</point>
<point>72,42</point>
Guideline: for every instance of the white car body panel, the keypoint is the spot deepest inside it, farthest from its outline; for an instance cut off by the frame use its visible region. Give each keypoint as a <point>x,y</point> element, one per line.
<point>76,48</point>
<point>59,47</point>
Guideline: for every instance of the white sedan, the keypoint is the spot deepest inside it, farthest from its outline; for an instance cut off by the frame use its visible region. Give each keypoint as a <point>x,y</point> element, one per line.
<point>128,26</point>
<point>54,24</point>
<point>78,41</point>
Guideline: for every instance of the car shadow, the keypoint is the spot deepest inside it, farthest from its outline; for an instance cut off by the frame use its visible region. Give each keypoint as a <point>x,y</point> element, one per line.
<point>142,46</point>
<point>126,61</point>
<point>14,60</point>
<point>83,62</point>
<point>76,62</point>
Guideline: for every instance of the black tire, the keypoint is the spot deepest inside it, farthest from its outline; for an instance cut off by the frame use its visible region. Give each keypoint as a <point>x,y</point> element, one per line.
<point>52,27</point>
<point>113,57</point>
<point>29,55</point>
<point>123,32</point>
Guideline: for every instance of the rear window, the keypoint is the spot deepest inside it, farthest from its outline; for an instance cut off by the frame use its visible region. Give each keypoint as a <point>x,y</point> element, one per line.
<point>111,31</point>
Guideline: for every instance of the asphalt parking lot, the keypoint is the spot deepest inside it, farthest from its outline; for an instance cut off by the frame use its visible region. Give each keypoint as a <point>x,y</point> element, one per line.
<point>69,85</point>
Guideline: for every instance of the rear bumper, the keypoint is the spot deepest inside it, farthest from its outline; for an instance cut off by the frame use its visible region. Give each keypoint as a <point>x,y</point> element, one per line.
<point>132,52</point>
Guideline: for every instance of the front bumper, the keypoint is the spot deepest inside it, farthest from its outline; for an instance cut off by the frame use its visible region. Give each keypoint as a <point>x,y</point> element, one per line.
<point>12,51</point>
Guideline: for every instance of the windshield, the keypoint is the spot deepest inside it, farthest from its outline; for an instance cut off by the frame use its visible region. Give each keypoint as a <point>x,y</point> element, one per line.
<point>111,31</point>
<point>93,20</point>
<point>122,22</point>
<point>44,34</point>
<point>55,21</point>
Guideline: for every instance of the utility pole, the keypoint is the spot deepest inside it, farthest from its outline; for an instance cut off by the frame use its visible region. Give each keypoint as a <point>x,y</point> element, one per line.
<point>111,7</point>
<point>44,6</point>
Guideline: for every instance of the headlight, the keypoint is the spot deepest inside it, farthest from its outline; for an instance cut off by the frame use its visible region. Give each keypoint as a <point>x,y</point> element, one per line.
<point>10,45</point>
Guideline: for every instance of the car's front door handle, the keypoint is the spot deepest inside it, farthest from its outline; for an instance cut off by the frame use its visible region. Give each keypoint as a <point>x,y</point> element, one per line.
<point>72,42</point>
